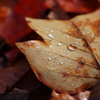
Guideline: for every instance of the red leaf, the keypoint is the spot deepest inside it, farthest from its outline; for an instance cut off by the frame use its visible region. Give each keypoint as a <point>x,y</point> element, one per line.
<point>31,8</point>
<point>78,6</point>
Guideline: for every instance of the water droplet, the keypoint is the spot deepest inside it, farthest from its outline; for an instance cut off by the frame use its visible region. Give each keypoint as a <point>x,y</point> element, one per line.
<point>76,43</point>
<point>88,32</point>
<point>51,31</point>
<point>70,64</point>
<point>55,56</point>
<point>43,58</point>
<point>49,58</point>
<point>72,48</point>
<point>50,46</point>
<point>61,63</point>
<point>37,47</point>
<point>59,44</point>
<point>86,28</point>
<point>51,36</point>
<point>72,84</point>
<point>45,28</point>
<point>68,26</point>
<point>68,37</point>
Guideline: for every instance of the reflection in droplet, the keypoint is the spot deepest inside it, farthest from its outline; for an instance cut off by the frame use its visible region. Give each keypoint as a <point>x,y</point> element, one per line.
<point>51,36</point>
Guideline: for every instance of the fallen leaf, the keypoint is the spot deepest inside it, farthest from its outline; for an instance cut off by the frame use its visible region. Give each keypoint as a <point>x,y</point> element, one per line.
<point>12,26</point>
<point>89,27</point>
<point>32,83</point>
<point>12,54</point>
<point>55,63</point>
<point>30,8</point>
<point>54,13</point>
<point>10,75</point>
<point>15,93</point>
<point>49,31</point>
<point>64,96</point>
<point>95,94</point>
<point>77,6</point>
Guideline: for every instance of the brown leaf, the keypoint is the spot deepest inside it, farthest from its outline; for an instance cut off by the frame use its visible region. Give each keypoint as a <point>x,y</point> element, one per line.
<point>10,75</point>
<point>95,92</point>
<point>89,27</point>
<point>15,93</point>
<point>48,31</point>
<point>55,63</point>
<point>12,54</point>
<point>54,13</point>
<point>28,82</point>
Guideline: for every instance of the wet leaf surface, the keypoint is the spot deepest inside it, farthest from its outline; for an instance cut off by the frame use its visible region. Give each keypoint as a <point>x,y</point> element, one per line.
<point>89,26</point>
<point>58,65</point>
<point>13,27</point>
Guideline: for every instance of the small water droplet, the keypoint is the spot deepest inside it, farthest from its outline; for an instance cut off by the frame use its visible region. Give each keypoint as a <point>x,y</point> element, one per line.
<point>68,37</point>
<point>68,26</point>
<point>86,28</point>
<point>51,31</point>
<point>72,48</point>
<point>37,47</point>
<point>51,36</point>
<point>61,63</point>
<point>72,84</point>
<point>55,56</point>
<point>67,55</point>
<point>49,58</point>
<point>50,46</point>
<point>76,43</point>
<point>70,64</point>
<point>45,28</point>
<point>88,32</point>
<point>59,44</point>
<point>43,58</point>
